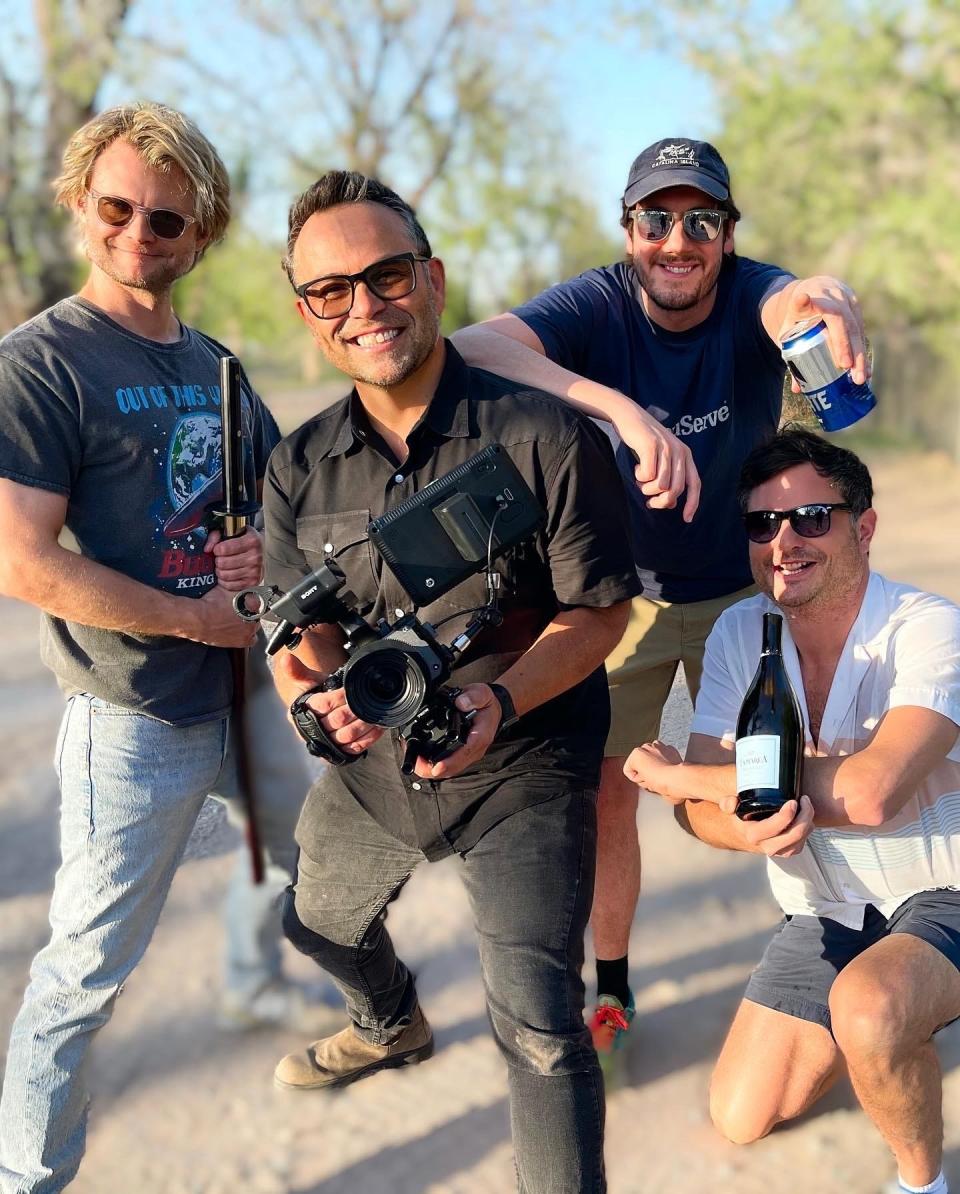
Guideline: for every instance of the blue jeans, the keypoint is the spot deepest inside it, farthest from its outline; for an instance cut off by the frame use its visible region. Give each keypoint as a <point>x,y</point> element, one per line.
<point>131,789</point>
<point>530,884</point>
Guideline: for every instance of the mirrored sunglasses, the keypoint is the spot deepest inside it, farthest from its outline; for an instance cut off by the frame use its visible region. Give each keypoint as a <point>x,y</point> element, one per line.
<point>699,225</point>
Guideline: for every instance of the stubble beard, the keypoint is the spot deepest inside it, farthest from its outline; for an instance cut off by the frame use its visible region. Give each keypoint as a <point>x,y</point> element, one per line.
<point>841,577</point>
<point>158,282</point>
<point>674,298</point>
<point>395,370</point>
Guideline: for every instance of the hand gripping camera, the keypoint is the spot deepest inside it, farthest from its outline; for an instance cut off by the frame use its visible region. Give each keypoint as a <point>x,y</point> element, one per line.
<point>395,675</point>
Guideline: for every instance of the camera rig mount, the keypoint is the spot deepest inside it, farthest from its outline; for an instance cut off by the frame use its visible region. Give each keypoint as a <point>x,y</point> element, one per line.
<point>395,674</point>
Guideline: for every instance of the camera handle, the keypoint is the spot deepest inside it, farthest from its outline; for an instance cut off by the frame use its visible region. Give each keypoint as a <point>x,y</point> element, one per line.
<point>284,634</point>
<point>438,730</point>
<point>308,725</point>
<point>440,719</point>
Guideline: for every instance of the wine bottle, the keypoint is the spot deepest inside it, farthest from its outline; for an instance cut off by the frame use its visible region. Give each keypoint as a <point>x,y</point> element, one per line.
<point>769,734</point>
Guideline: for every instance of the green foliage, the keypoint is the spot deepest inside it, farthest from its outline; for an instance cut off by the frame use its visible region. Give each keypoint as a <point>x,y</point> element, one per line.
<point>840,125</point>
<point>241,295</point>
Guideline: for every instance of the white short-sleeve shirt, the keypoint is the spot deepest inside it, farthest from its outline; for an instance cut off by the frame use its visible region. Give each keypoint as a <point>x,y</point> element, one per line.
<point>903,649</point>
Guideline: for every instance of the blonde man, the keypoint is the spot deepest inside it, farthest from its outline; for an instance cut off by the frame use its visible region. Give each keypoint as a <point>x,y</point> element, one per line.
<point>111,429</point>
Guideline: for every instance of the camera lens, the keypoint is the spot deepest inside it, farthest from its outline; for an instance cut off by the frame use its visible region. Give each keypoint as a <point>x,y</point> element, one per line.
<point>385,686</point>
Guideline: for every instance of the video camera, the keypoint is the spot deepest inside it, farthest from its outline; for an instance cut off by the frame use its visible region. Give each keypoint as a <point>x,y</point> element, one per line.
<point>395,673</point>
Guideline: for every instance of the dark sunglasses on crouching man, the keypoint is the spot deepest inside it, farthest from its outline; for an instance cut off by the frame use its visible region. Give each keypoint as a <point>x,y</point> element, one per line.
<point>163,222</point>
<point>810,521</point>
<point>331,296</point>
<point>700,224</point>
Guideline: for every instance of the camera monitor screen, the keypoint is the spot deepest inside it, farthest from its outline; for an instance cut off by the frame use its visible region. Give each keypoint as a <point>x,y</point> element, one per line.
<point>436,539</point>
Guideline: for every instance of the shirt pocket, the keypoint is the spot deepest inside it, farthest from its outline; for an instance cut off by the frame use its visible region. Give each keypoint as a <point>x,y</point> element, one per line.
<point>342,536</point>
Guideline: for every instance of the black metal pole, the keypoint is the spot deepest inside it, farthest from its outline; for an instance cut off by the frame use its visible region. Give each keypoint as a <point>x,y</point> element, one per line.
<point>233,520</point>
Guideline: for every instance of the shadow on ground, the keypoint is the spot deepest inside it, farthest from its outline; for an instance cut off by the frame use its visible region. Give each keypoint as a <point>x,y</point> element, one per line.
<point>426,1161</point>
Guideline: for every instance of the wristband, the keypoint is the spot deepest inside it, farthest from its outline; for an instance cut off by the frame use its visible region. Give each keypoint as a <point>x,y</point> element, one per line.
<point>508,714</point>
<point>307,723</point>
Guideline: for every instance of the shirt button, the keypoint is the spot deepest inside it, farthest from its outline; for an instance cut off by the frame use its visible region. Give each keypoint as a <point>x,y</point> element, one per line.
<point>398,478</point>
<point>416,787</point>
<point>328,547</point>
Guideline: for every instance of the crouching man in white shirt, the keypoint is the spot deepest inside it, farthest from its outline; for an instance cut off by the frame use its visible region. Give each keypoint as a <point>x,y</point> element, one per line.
<point>865,967</point>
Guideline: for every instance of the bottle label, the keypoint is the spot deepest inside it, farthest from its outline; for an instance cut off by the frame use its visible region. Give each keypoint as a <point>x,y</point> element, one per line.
<point>758,762</point>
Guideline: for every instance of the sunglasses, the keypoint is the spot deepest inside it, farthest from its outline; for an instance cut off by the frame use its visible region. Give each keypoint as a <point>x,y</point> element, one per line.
<point>809,521</point>
<point>162,222</point>
<point>331,296</point>
<point>701,224</point>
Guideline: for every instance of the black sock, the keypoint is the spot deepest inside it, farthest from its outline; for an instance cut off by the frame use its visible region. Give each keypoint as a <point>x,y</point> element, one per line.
<point>612,979</point>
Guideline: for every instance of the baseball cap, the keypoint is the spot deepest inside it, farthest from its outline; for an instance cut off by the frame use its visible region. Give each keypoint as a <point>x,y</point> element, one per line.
<point>677,162</point>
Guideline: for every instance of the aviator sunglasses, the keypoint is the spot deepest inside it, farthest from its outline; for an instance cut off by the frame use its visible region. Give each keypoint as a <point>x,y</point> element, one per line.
<point>162,222</point>
<point>701,224</point>
<point>810,521</point>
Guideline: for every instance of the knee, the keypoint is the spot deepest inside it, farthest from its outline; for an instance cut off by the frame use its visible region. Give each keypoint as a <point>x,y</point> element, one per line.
<point>301,936</point>
<point>868,1019</point>
<point>541,1051</point>
<point>740,1121</point>
<point>66,994</point>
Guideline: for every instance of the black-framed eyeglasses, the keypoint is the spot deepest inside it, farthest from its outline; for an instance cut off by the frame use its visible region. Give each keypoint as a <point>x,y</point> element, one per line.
<point>162,221</point>
<point>331,296</point>
<point>700,224</point>
<point>810,521</point>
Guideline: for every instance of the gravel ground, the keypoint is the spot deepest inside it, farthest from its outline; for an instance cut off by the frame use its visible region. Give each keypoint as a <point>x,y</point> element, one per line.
<point>183,1108</point>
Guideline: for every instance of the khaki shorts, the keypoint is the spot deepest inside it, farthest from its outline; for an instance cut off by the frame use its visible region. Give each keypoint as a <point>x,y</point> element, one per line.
<point>659,636</point>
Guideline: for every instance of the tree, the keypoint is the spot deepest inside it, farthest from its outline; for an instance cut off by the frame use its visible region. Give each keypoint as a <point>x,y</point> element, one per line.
<point>446,102</point>
<point>75,45</point>
<point>840,124</point>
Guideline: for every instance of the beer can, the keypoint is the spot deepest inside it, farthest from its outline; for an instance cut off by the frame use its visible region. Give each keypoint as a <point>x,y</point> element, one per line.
<point>836,400</point>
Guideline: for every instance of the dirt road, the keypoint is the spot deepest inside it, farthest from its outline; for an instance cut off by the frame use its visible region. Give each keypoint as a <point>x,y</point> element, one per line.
<point>181,1108</point>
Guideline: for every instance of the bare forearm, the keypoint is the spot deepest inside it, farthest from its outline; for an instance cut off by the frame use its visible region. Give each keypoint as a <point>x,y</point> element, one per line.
<point>569,648</point>
<point>698,781</point>
<point>822,780</point>
<point>486,348</point>
<point>665,466</point>
<point>77,589</point>
<point>315,658</point>
<point>705,821</point>
<point>712,782</point>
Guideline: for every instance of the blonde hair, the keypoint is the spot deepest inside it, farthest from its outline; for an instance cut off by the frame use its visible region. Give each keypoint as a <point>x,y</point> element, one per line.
<point>162,137</point>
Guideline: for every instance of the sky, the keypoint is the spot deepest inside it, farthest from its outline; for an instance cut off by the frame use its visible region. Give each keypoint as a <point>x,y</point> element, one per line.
<point>615,96</point>
<point>628,100</point>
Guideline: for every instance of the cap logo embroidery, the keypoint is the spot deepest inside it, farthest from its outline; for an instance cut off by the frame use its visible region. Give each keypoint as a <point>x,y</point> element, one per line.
<point>671,155</point>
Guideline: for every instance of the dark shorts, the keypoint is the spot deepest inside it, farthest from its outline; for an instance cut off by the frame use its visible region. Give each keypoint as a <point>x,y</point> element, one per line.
<point>807,953</point>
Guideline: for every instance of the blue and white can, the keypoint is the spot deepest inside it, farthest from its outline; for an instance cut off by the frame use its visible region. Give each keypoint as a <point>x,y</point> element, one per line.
<point>837,401</point>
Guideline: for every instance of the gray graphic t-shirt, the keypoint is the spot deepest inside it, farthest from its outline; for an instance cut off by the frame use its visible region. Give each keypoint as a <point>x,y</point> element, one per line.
<point>129,431</point>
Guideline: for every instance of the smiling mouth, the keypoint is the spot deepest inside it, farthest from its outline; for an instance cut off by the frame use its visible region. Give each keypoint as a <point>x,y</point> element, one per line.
<point>793,567</point>
<point>371,339</point>
<point>678,269</point>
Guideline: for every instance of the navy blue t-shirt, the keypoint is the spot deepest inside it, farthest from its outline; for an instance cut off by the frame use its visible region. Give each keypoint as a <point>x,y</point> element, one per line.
<point>717,386</point>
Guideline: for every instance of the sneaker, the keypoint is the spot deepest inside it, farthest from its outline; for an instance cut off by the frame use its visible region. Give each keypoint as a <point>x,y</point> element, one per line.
<point>896,1188</point>
<point>343,1058</point>
<point>280,1004</point>
<point>610,1024</point>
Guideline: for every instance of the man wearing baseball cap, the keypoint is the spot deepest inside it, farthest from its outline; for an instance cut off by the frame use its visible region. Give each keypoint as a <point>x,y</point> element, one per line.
<point>678,347</point>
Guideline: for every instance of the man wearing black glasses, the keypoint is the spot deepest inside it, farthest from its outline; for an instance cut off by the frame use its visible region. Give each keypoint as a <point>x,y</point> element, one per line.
<point>866,965</point>
<point>515,805</point>
<point>677,347</point>
<point>111,429</point>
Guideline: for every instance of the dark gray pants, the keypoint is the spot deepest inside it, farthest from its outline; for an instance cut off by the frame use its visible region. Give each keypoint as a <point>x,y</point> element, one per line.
<point>530,884</point>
